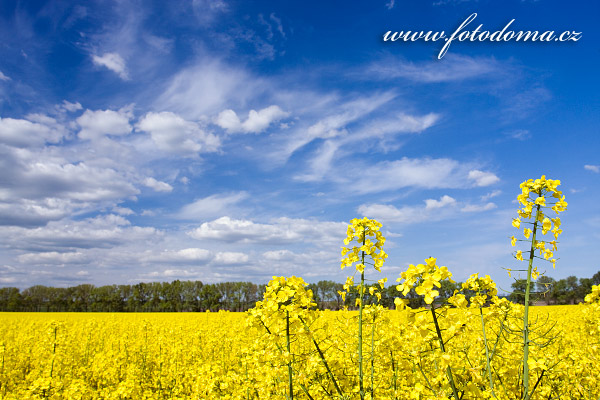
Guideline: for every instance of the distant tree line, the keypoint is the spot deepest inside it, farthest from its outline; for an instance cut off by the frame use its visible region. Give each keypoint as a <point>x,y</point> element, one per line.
<point>547,290</point>
<point>195,296</point>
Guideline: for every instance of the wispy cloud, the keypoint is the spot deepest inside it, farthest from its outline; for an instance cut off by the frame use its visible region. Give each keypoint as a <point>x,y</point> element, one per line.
<point>433,210</point>
<point>417,173</point>
<point>211,206</point>
<point>593,168</point>
<point>454,68</point>
<point>113,62</point>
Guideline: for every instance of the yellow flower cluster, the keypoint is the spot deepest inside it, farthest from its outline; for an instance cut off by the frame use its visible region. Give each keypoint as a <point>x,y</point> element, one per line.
<point>284,297</point>
<point>535,196</point>
<point>482,289</point>
<point>360,230</point>
<point>423,278</point>
<point>594,296</point>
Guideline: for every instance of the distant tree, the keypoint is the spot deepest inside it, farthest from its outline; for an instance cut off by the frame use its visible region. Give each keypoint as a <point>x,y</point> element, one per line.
<point>596,278</point>
<point>572,286</point>
<point>10,299</point>
<point>518,294</point>
<point>543,287</point>
<point>584,287</point>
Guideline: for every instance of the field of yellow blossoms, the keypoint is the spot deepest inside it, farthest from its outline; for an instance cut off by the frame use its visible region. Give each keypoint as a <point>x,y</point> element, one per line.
<point>218,356</point>
<point>472,345</point>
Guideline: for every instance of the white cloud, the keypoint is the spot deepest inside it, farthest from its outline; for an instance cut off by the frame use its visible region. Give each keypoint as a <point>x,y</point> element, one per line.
<point>278,255</point>
<point>333,123</point>
<point>593,168</point>
<point>230,258</point>
<point>4,77</point>
<point>23,133</point>
<point>211,206</point>
<point>189,255</point>
<point>364,137</point>
<point>431,204</point>
<point>432,211</point>
<point>282,230</point>
<point>208,88</point>
<point>520,134</point>
<point>97,124</point>
<point>208,11</point>
<point>479,207</point>
<point>105,231</point>
<point>256,122</point>
<point>491,195</point>
<point>454,68</point>
<point>114,62</point>
<point>158,186</point>
<point>424,173</point>
<point>176,136</point>
<point>68,106</point>
<point>123,211</point>
<point>53,258</point>
<point>39,186</point>
<point>483,178</point>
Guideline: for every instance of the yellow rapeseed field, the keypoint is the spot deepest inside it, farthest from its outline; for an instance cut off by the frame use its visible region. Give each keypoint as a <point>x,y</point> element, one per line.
<point>218,356</point>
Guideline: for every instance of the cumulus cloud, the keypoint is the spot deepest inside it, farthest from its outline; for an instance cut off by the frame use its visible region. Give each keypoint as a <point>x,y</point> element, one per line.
<point>445,200</point>
<point>191,255</point>
<point>211,206</point>
<point>53,258</point>
<point>158,186</point>
<point>37,187</point>
<point>113,62</point>
<point>30,213</point>
<point>123,211</point>
<point>105,231</point>
<point>67,106</point>
<point>256,122</point>
<point>432,211</point>
<point>97,124</point>
<point>230,258</point>
<point>280,231</point>
<point>483,178</point>
<point>24,133</point>
<point>176,136</point>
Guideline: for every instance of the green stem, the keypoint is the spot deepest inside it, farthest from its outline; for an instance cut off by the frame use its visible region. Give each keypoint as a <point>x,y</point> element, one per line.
<point>487,355</point>
<point>373,359</point>
<point>395,377</point>
<point>448,369</point>
<point>287,336</point>
<point>526,315</point>
<point>360,315</point>
<point>322,356</point>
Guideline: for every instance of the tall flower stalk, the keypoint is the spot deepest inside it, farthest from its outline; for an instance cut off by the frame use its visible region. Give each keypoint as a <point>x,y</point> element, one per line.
<point>361,231</point>
<point>424,279</point>
<point>536,196</point>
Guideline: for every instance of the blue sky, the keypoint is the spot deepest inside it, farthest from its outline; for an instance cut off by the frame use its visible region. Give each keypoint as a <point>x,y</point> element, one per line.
<point>224,141</point>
